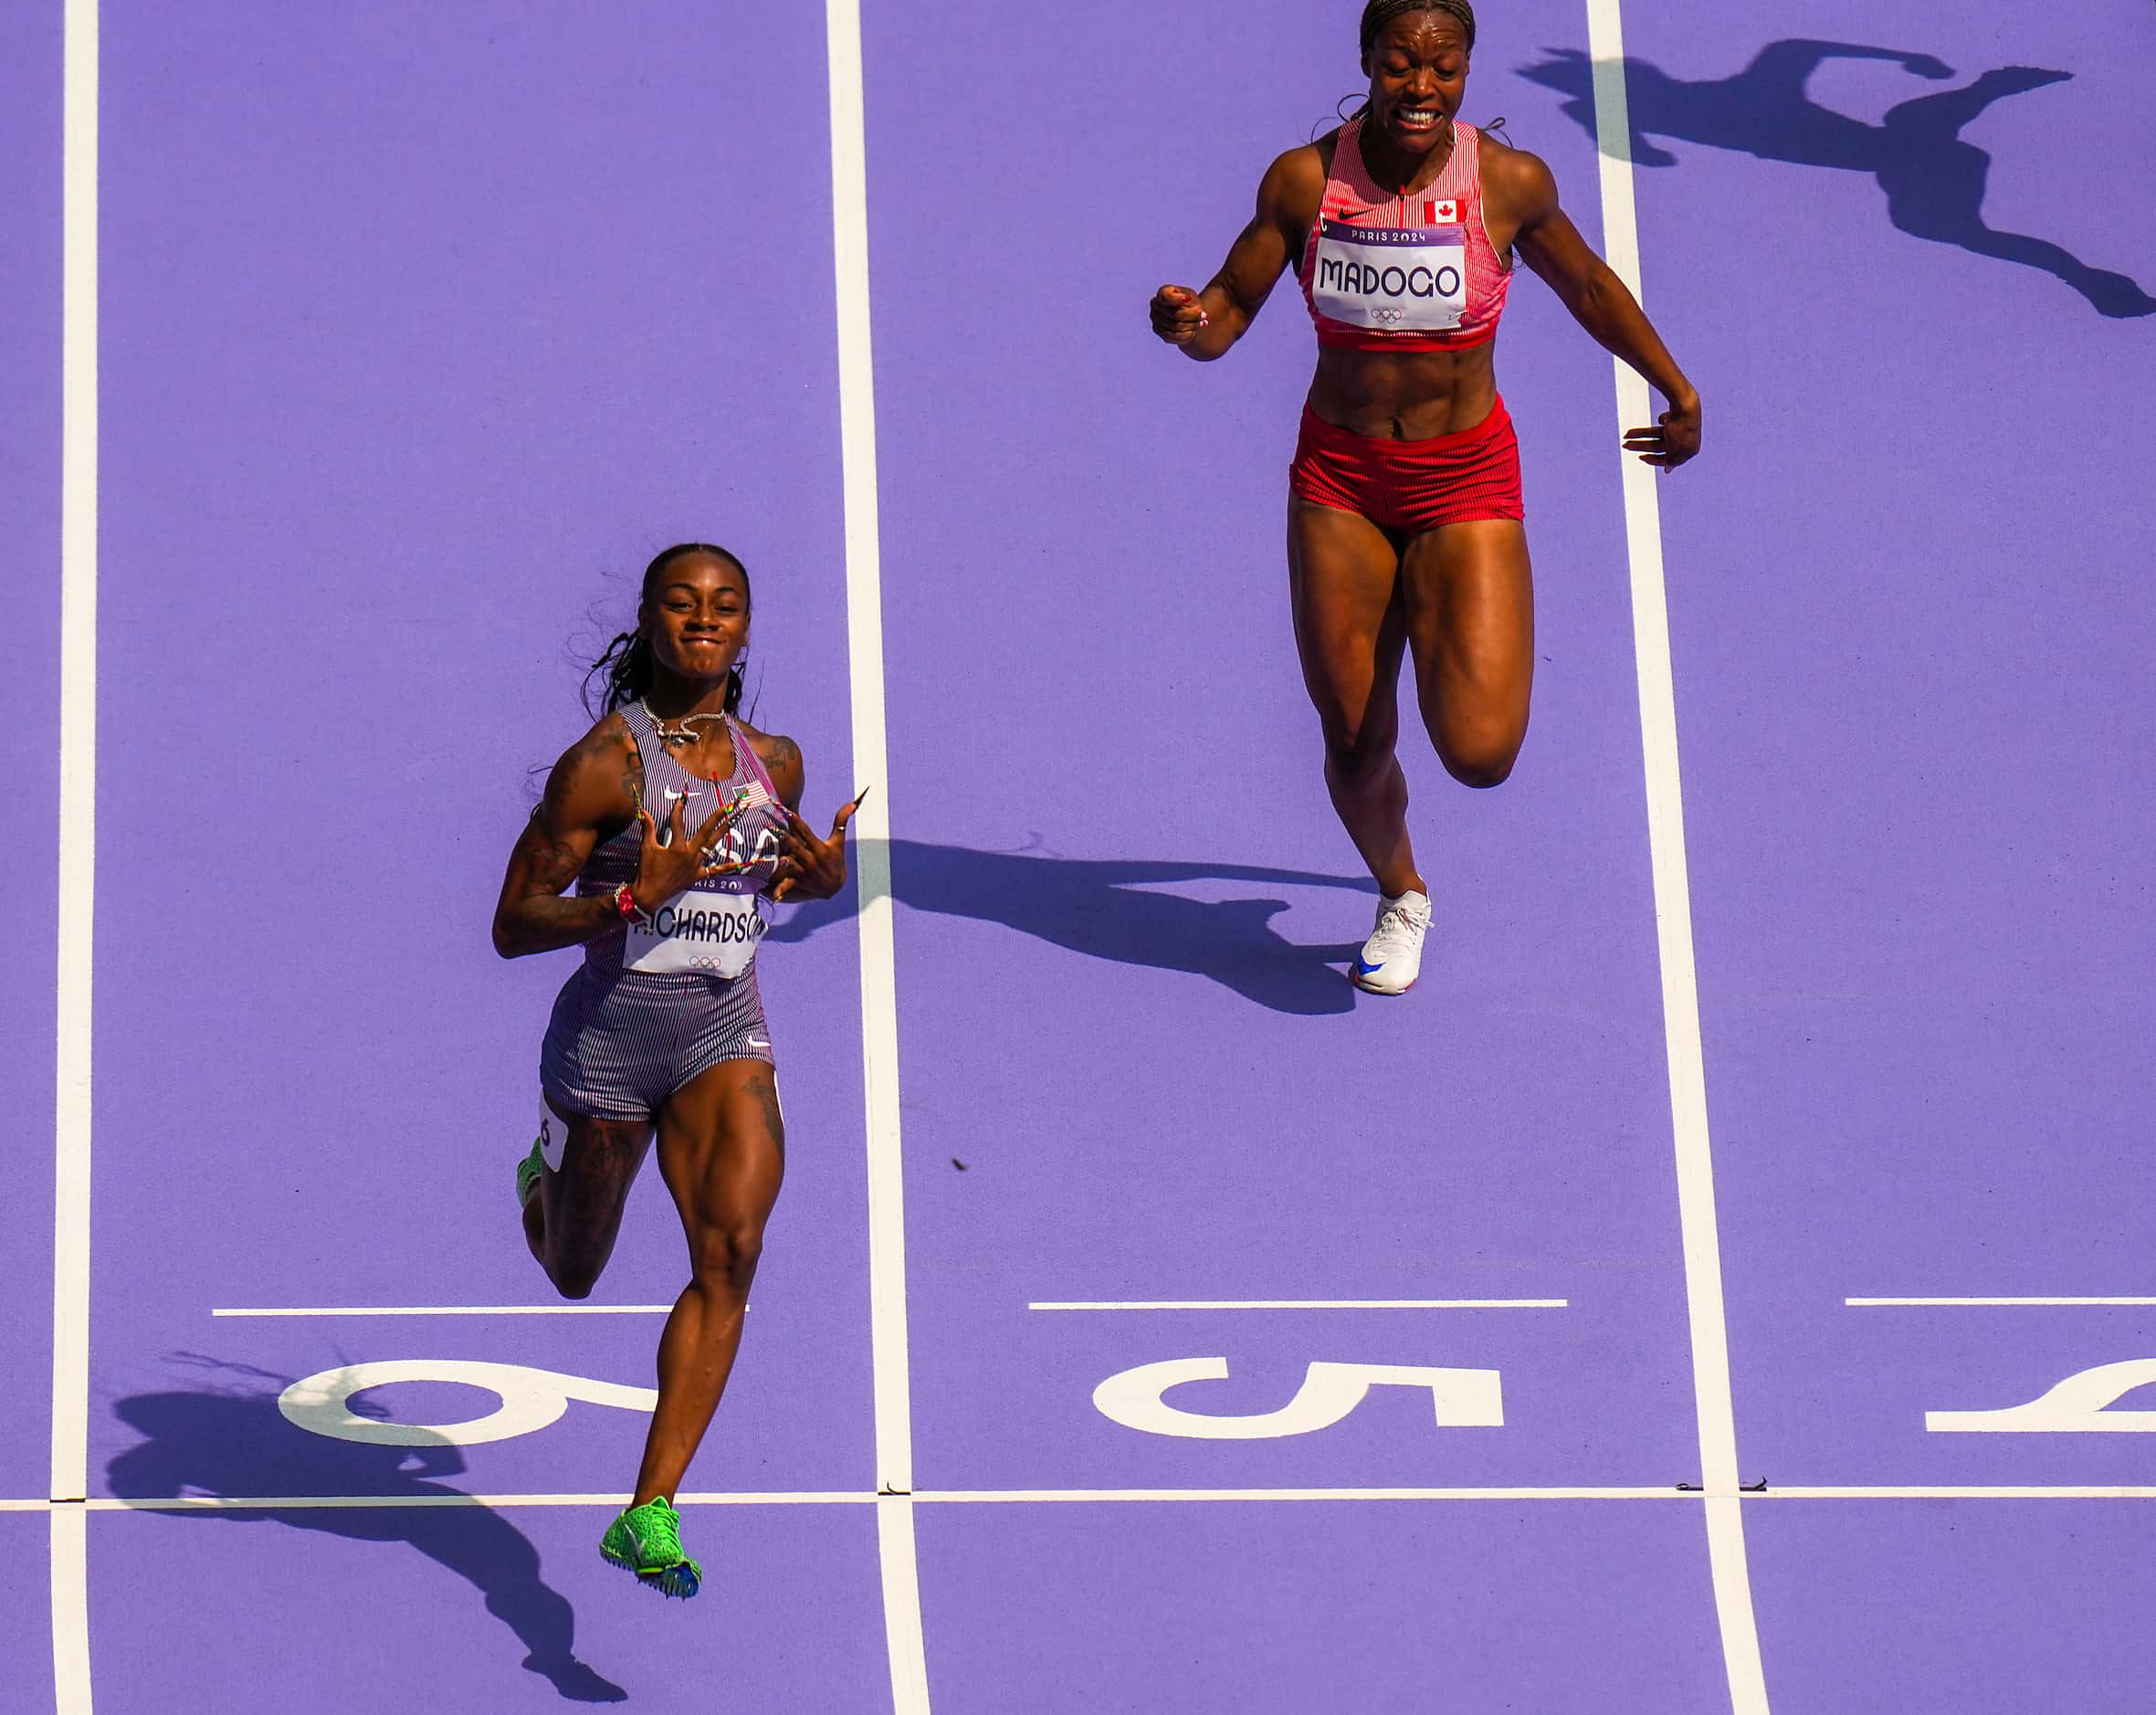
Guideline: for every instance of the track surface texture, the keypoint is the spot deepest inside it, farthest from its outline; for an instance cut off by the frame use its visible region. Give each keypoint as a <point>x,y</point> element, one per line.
<point>1504,1363</point>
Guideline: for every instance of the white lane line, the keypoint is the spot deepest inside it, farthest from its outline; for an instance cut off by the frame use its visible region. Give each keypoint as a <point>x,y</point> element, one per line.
<point>1992,1302</point>
<point>75,899</point>
<point>903,1633</point>
<point>69,1530</point>
<point>454,1310</point>
<point>872,823</point>
<point>1303,1304</point>
<point>1673,914</point>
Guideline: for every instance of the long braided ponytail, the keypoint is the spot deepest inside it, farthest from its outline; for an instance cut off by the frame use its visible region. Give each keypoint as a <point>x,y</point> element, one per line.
<point>625,667</point>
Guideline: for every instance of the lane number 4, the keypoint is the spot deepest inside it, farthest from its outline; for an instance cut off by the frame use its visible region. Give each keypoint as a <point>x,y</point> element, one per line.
<point>2080,1404</point>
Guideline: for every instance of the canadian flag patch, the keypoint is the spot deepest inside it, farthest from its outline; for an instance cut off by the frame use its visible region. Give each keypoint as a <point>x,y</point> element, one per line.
<point>1441,214</point>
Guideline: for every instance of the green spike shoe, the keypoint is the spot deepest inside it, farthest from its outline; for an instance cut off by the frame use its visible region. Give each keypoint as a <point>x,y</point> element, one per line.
<point>527,1171</point>
<point>646,1541</point>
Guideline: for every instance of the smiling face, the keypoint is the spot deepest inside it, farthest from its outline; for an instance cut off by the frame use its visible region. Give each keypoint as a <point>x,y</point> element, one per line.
<point>1418,77</point>
<point>695,614</point>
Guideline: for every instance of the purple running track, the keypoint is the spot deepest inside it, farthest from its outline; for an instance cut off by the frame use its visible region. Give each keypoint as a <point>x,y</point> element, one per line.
<point>1912,629</point>
<point>425,328</point>
<point>25,1597</point>
<point>420,330</point>
<point>1209,1112</point>
<point>29,738</point>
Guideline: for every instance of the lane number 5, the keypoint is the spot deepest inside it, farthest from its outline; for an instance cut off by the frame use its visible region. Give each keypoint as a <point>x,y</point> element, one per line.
<point>1460,1399</point>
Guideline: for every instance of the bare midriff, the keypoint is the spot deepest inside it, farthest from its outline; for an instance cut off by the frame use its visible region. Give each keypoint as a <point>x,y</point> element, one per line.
<point>1404,395</point>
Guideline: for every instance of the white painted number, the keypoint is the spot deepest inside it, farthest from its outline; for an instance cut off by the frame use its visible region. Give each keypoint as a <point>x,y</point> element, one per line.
<point>530,1399</point>
<point>1462,1399</point>
<point>2078,1405</point>
<point>553,1136</point>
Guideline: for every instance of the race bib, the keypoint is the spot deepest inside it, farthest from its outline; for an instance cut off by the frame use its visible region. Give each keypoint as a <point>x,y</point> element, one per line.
<point>711,932</point>
<point>1393,279</point>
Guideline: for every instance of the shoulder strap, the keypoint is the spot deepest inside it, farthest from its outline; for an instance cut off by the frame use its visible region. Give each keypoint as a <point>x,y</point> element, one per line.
<point>655,763</point>
<point>1344,168</point>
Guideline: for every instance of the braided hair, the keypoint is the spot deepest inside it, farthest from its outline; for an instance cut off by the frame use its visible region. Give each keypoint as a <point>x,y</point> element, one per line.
<point>625,669</point>
<point>1379,13</point>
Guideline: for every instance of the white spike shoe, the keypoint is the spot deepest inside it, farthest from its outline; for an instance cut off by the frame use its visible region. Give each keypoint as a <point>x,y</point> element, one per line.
<point>1392,957</point>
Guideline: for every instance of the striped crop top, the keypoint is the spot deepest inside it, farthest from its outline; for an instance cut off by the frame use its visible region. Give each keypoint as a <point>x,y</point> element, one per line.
<point>1385,272</point>
<point>712,928</point>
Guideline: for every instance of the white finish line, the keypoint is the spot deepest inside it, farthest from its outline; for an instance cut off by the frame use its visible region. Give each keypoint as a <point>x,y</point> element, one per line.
<point>1089,1497</point>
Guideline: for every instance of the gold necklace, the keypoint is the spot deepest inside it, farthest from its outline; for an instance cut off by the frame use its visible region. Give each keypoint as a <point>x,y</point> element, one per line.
<point>682,732</point>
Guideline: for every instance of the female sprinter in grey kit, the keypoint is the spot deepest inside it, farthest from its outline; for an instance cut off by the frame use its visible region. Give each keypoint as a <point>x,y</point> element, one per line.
<point>675,819</point>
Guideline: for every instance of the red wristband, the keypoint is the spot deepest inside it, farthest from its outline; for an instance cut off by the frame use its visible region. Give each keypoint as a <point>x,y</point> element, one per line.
<point>625,901</point>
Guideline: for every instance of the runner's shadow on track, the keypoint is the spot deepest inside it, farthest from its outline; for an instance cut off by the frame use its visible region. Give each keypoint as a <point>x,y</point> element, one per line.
<point>234,1444</point>
<point>1106,908</point>
<point>1934,181</point>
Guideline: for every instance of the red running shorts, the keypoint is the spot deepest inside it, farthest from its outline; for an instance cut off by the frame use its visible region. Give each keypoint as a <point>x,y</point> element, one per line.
<point>1410,485</point>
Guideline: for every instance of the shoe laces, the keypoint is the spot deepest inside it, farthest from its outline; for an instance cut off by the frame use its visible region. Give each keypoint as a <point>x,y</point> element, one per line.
<point>1399,918</point>
<point>660,1527</point>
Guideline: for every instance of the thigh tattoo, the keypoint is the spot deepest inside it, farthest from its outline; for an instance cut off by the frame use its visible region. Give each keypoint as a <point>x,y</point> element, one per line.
<point>606,1155</point>
<point>763,1086</point>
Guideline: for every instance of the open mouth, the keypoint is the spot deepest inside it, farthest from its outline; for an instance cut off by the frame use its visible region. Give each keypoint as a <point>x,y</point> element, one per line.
<point>1417,117</point>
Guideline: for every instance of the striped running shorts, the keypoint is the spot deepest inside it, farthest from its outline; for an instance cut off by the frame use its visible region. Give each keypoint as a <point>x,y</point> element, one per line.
<point>618,1044</point>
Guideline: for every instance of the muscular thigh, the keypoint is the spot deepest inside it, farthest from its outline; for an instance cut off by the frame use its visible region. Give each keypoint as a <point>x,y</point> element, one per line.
<point>584,1194</point>
<point>722,1145</point>
<point>1343,575</point>
<point>1469,593</point>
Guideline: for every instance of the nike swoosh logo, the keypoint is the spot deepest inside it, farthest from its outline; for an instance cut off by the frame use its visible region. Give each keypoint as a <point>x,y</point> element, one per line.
<point>636,1539</point>
<point>671,793</point>
<point>1367,970</point>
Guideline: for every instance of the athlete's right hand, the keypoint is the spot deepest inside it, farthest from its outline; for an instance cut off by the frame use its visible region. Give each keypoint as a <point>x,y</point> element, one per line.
<point>1177,314</point>
<point>664,870</point>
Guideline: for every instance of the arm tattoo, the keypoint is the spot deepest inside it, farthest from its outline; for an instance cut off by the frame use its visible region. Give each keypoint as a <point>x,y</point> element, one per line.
<point>593,745</point>
<point>785,760</point>
<point>537,919</point>
<point>631,776</point>
<point>554,864</point>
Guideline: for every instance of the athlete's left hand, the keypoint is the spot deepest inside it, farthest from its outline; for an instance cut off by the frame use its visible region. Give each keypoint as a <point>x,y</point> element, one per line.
<point>809,868</point>
<point>1674,438</point>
